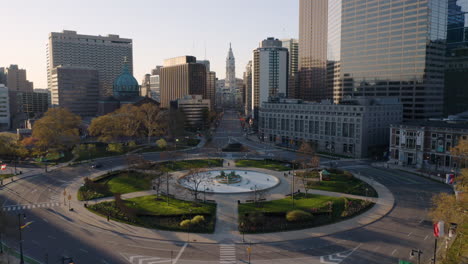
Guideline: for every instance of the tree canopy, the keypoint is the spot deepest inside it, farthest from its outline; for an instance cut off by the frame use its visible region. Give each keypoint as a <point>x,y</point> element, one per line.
<point>129,121</point>
<point>58,129</point>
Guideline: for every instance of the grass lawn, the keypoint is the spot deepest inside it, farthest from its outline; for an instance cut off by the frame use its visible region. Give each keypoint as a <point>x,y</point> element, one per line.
<point>340,182</point>
<point>156,213</point>
<point>270,216</point>
<point>187,164</point>
<point>120,182</point>
<point>264,164</point>
<point>6,176</point>
<point>128,182</point>
<point>101,152</point>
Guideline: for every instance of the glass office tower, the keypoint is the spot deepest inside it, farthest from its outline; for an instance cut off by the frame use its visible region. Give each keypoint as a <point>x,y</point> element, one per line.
<point>457,28</point>
<point>386,49</point>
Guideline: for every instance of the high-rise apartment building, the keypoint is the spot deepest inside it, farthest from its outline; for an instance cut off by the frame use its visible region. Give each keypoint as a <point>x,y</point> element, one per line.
<point>375,49</point>
<point>269,72</point>
<point>16,79</point>
<point>2,76</point>
<point>293,48</point>
<point>248,89</point>
<point>210,83</point>
<point>211,88</point>
<point>155,88</point>
<point>106,54</point>
<point>145,85</point>
<point>4,108</point>
<point>75,88</point>
<point>182,76</point>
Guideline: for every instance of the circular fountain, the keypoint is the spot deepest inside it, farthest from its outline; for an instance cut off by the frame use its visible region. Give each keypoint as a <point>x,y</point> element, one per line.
<point>229,181</point>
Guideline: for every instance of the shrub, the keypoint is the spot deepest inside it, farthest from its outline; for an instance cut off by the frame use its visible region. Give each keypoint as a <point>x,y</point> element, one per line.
<point>298,216</point>
<point>256,218</point>
<point>115,147</point>
<point>161,143</point>
<point>132,144</point>
<point>185,223</point>
<point>198,219</point>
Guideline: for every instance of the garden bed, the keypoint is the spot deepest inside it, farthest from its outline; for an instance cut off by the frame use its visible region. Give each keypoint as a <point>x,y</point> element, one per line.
<point>187,164</point>
<point>117,182</point>
<point>268,164</point>
<point>270,216</point>
<point>151,212</point>
<point>344,182</point>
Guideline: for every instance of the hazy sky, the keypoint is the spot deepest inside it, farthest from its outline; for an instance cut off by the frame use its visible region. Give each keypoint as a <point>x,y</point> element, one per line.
<point>160,29</point>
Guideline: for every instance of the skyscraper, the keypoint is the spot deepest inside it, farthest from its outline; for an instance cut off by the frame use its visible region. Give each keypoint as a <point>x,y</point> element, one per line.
<point>182,76</point>
<point>210,83</point>
<point>456,69</point>
<point>375,49</point>
<point>313,32</point>
<point>16,79</point>
<point>4,108</point>
<point>269,72</point>
<point>106,54</point>
<point>293,48</point>
<point>457,25</point>
<point>2,76</point>
<point>248,89</point>
<point>75,88</point>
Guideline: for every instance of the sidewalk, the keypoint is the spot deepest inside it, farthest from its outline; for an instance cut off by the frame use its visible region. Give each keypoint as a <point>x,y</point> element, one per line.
<point>406,169</point>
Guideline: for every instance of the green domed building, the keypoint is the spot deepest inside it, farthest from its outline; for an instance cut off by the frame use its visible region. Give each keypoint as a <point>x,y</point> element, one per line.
<point>126,90</point>
<point>126,86</point>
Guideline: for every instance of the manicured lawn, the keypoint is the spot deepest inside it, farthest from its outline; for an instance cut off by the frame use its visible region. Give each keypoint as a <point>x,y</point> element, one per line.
<point>128,182</point>
<point>6,176</point>
<point>120,182</point>
<point>151,205</point>
<point>265,164</point>
<point>340,182</point>
<point>301,201</point>
<point>156,213</point>
<point>270,216</point>
<point>187,164</point>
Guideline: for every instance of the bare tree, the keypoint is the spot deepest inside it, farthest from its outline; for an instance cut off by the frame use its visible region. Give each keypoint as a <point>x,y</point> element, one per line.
<point>302,179</point>
<point>157,185</point>
<point>194,179</point>
<point>315,161</point>
<point>259,195</point>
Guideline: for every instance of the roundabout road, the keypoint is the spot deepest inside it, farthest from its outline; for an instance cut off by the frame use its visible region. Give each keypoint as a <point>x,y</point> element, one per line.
<point>57,232</point>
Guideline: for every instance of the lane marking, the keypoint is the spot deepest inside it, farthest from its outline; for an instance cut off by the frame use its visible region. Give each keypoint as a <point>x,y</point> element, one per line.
<point>180,254</point>
<point>394,251</point>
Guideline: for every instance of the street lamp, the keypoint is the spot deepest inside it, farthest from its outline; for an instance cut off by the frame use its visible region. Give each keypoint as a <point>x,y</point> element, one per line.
<point>243,231</point>
<point>416,251</point>
<point>188,226</point>
<point>20,228</point>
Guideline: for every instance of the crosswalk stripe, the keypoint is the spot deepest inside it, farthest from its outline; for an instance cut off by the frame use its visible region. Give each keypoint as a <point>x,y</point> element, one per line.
<point>227,254</point>
<point>28,206</point>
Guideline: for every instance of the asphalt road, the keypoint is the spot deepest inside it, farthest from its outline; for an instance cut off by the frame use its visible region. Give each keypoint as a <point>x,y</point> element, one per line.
<point>56,232</point>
